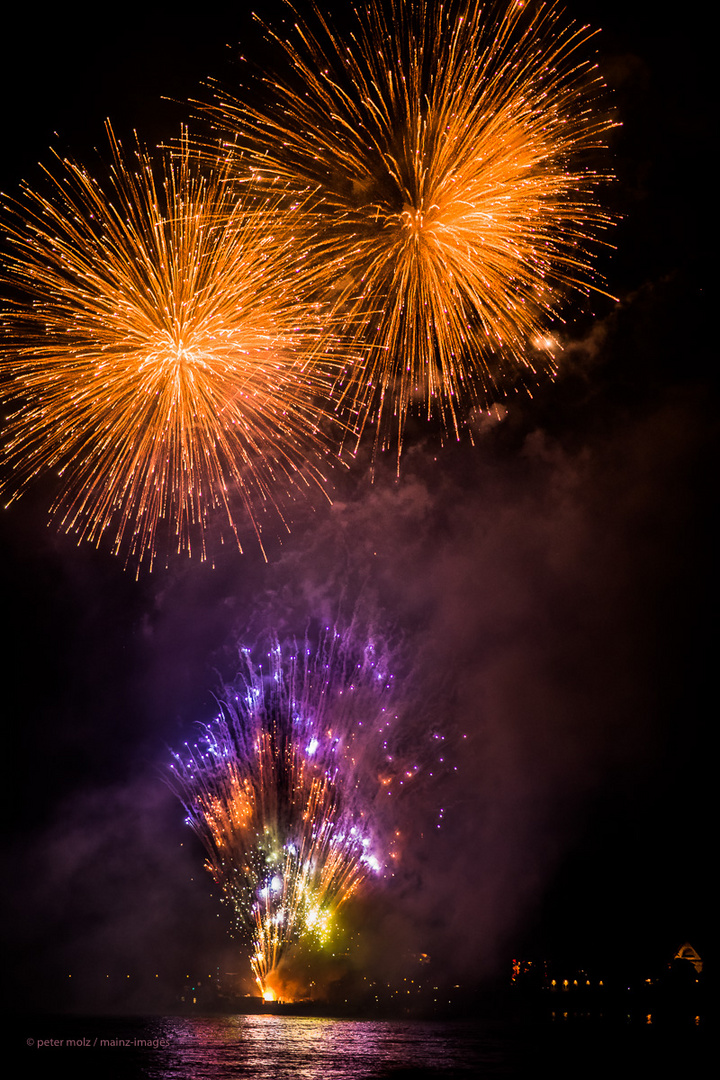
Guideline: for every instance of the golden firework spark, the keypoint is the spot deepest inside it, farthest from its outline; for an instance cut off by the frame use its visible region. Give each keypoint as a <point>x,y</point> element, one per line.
<point>449,148</point>
<point>160,352</point>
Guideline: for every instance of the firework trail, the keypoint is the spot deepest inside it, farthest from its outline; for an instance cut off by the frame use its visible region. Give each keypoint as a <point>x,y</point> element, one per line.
<point>160,352</point>
<point>448,148</point>
<point>287,790</point>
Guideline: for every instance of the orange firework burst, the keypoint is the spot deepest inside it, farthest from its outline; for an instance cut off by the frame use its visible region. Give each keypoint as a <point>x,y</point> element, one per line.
<point>160,353</point>
<point>448,148</point>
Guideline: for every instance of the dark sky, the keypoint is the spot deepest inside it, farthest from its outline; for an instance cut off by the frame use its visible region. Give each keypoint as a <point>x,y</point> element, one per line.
<point>554,583</point>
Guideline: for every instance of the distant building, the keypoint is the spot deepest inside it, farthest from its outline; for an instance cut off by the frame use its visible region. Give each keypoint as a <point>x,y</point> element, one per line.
<point>688,953</point>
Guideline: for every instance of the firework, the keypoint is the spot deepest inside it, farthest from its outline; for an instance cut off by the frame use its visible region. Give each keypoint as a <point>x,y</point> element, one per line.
<point>448,148</point>
<point>287,790</point>
<point>160,352</point>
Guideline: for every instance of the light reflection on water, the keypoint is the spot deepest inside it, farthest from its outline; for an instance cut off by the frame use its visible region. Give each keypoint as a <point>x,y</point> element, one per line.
<point>306,1048</point>
<point>267,1047</point>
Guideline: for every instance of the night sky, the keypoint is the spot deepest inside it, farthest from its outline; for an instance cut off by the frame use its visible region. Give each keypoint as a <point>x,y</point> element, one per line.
<point>552,584</point>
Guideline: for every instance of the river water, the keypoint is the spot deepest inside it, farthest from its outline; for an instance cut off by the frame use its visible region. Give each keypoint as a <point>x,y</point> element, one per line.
<point>267,1047</point>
